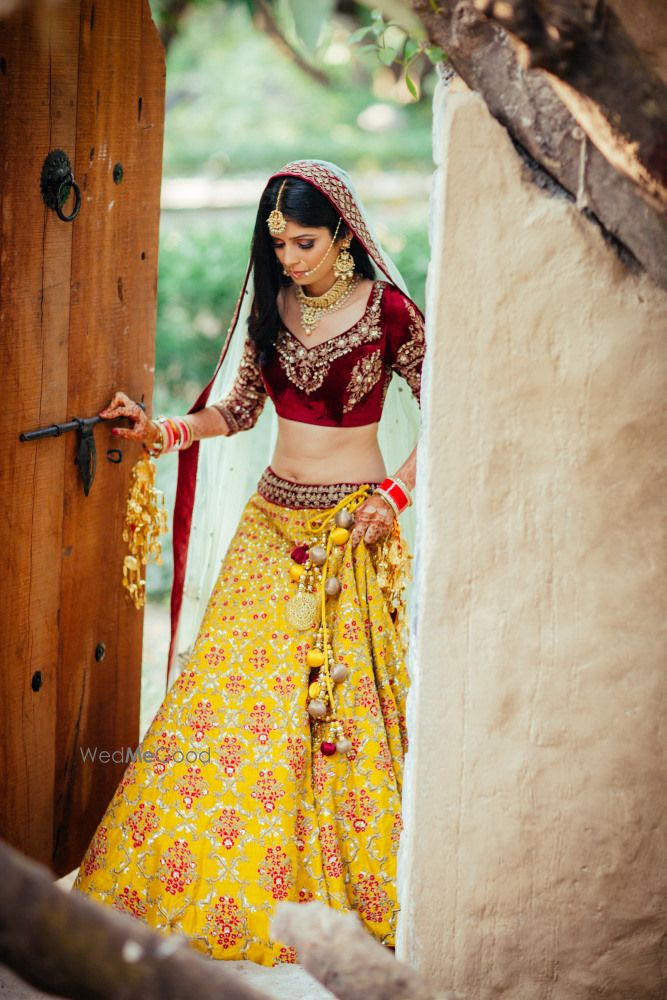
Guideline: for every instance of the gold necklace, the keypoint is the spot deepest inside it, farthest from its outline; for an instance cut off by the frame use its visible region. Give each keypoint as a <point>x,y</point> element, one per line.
<point>314,307</point>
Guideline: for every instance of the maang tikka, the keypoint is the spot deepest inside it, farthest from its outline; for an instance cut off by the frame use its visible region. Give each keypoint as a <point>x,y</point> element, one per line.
<point>276,220</point>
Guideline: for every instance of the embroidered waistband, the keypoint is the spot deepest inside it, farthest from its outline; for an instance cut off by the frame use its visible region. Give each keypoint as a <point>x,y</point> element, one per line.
<point>286,493</point>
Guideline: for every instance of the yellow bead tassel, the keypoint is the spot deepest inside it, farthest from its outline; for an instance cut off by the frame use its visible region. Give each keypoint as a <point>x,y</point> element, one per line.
<point>145,521</point>
<point>318,522</point>
<point>338,536</point>
<point>392,564</point>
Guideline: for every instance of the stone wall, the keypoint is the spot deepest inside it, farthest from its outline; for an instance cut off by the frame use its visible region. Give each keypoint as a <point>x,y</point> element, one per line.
<point>534,864</point>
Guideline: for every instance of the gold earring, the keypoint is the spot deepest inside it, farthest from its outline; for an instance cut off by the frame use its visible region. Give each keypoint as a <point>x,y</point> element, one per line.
<point>344,262</point>
<point>312,271</point>
<point>276,220</point>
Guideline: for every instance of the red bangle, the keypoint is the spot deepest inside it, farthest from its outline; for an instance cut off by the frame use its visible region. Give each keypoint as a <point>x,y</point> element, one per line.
<point>176,433</point>
<point>396,491</point>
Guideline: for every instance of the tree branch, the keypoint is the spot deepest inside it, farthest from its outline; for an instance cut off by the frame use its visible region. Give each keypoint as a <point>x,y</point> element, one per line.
<point>535,115</point>
<point>267,23</point>
<point>601,78</point>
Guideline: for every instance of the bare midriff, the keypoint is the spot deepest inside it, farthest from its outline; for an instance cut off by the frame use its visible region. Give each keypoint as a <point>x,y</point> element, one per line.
<point>308,453</point>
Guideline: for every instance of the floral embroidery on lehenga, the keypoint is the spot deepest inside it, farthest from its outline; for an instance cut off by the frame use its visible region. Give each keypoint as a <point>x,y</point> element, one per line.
<point>373,902</point>
<point>226,922</point>
<point>143,822</point>
<point>276,873</point>
<point>228,828</point>
<point>129,901</point>
<point>208,849</point>
<point>177,867</point>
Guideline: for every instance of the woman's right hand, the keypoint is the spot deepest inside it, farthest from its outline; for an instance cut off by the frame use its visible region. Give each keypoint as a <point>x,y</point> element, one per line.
<point>144,430</point>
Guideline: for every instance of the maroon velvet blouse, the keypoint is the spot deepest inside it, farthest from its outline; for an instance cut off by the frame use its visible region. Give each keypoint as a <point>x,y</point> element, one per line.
<point>341,382</point>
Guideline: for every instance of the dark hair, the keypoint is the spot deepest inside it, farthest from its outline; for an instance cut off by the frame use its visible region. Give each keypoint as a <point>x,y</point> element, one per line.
<point>304,204</point>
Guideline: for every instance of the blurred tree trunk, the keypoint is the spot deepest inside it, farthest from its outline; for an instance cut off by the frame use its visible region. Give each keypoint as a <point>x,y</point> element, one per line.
<point>569,85</point>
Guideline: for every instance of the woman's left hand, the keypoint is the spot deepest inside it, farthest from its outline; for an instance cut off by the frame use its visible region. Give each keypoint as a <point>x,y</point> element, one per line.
<point>372,521</point>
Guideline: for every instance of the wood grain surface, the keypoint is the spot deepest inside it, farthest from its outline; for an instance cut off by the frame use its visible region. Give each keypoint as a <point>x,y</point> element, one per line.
<point>78,303</point>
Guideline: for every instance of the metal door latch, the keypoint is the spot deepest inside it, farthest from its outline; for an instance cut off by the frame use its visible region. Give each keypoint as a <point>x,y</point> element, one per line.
<point>86,454</point>
<point>56,182</point>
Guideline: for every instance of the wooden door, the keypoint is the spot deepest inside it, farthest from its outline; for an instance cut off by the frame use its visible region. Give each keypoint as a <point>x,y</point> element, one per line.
<point>77,310</point>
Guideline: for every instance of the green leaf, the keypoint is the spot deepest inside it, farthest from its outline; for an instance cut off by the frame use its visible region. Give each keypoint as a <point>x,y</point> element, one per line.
<point>360,33</point>
<point>309,19</point>
<point>435,54</point>
<point>411,86</point>
<point>387,55</point>
<point>376,15</point>
<point>411,49</point>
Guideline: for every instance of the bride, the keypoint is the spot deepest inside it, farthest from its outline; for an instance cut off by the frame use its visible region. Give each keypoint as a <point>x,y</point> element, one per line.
<point>272,770</point>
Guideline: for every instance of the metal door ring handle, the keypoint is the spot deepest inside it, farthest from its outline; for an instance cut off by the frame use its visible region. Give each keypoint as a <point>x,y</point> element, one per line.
<point>61,198</point>
<point>56,180</point>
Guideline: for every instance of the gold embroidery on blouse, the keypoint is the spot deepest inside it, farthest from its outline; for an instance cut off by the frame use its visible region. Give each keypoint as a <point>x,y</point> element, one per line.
<point>410,355</point>
<point>366,373</point>
<point>244,402</point>
<point>307,367</point>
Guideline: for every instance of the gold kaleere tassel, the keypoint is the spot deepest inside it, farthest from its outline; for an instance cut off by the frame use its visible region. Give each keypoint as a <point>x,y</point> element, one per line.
<point>145,521</point>
<point>393,573</point>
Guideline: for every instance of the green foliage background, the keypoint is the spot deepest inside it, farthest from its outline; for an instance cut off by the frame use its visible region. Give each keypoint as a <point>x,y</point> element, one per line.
<point>237,105</point>
<point>238,108</point>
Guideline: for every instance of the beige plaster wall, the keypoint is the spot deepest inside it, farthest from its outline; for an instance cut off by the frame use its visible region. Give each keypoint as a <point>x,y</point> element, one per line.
<point>535,859</point>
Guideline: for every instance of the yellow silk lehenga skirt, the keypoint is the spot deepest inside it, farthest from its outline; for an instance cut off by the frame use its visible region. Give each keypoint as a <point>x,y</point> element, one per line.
<point>230,805</point>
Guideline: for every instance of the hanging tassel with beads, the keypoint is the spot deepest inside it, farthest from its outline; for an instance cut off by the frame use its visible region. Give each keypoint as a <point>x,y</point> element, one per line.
<point>145,521</point>
<point>314,569</point>
<point>392,565</point>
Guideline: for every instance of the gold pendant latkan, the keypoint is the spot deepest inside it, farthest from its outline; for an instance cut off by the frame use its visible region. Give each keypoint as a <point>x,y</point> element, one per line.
<point>302,611</point>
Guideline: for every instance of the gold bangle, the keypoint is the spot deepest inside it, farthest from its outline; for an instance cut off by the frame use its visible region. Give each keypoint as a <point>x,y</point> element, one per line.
<point>155,450</point>
<point>400,482</point>
<point>389,500</point>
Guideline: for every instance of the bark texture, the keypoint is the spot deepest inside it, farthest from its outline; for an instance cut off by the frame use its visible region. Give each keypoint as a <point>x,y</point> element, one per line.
<point>601,78</point>
<point>612,156</point>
